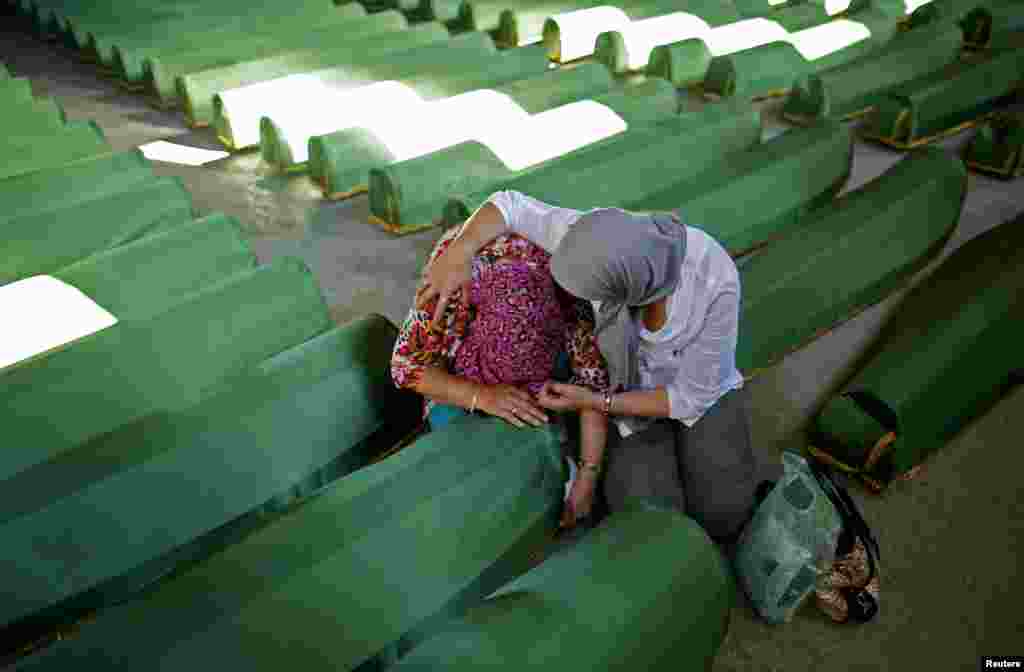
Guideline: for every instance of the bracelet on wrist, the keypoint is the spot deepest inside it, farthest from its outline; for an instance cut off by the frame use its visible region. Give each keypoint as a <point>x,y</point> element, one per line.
<point>476,397</point>
<point>607,408</point>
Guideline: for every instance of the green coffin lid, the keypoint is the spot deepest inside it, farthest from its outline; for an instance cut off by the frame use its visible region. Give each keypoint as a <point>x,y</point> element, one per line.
<point>440,55</point>
<point>197,89</point>
<point>16,90</point>
<point>628,172</point>
<point>33,117</point>
<point>998,146</point>
<point>418,536</point>
<point>150,275</point>
<point>340,162</point>
<point>940,360</point>
<point>165,362</point>
<point>78,523</point>
<point>4,72</point>
<point>946,100</point>
<point>858,86</point>
<point>74,182</point>
<point>460,76</point>
<point>850,254</point>
<point>40,243</point>
<point>410,195</point>
<point>647,590</point>
<point>28,153</point>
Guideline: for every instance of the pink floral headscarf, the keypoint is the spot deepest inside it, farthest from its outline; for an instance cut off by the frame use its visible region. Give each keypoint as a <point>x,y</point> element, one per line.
<point>519,327</point>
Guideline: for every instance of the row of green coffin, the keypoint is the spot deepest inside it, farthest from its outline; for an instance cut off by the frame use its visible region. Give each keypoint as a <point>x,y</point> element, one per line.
<point>238,111</point>
<point>50,148</point>
<point>393,549</point>
<point>980,20</point>
<point>281,136</point>
<point>942,359</point>
<point>341,161</point>
<point>998,146</point>
<point>409,195</point>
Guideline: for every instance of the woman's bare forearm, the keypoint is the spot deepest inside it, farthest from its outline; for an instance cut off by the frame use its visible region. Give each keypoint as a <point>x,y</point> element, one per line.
<point>639,403</point>
<point>486,224</point>
<point>593,436</point>
<point>441,386</point>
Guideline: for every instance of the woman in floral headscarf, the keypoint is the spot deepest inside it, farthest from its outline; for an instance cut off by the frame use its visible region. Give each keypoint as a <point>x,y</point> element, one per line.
<point>494,353</point>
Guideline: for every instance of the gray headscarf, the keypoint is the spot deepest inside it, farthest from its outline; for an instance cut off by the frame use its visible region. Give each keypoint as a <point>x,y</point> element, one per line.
<point>623,260</point>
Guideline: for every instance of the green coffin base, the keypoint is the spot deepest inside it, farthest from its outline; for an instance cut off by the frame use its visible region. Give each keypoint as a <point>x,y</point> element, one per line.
<point>28,153</point>
<point>166,362</point>
<point>946,101</point>
<point>419,536</point>
<point>63,186</point>
<point>254,438</point>
<point>41,243</point>
<point>649,581</point>
<point>411,195</point>
<point>850,254</point>
<point>856,87</point>
<point>340,162</point>
<point>938,363</point>
<point>998,146</point>
<point>635,171</point>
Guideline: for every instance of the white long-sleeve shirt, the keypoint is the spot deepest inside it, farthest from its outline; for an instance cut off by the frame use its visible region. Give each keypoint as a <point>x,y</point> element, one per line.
<point>693,355</point>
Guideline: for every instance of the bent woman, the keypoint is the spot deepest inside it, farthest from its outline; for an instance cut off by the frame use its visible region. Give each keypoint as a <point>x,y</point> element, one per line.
<point>495,351</point>
<point>667,298</point>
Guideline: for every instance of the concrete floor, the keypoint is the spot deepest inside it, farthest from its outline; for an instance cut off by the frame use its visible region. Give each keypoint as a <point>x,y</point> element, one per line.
<point>952,542</point>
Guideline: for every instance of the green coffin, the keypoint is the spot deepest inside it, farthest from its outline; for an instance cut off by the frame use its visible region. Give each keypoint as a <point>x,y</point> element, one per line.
<point>771,69</point>
<point>419,535</point>
<point>4,72</point>
<point>446,11</point>
<point>166,362</point>
<point>947,100</point>
<point>28,153</point>
<point>628,172</point>
<point>990,19</point>
<point>409,196</point>
<point>856,87</point>
<point>848,255</point>
<point>74,182</point>
<point>34,117</point>
<point>41,243</point>
<point>238,112</point>
<point>998,146</point>
<point>150,275</point>
<point>197,89</point>
<point>78,527</point>
<point>753,197</point>
<point>647,590</point>
<point>943,358</point>
<point>279,142</point>
<point>15,90</point>
<point>340,162</point>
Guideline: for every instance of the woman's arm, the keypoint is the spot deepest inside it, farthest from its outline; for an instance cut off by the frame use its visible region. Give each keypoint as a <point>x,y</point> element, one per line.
<point>639,403</point>
<point>504,401</point>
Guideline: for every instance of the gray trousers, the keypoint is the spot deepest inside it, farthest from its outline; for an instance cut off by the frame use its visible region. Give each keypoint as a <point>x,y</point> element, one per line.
<point>709,471</point>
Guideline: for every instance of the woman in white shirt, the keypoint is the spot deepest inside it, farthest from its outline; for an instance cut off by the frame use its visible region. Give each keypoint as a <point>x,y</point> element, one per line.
<point>667,299</point>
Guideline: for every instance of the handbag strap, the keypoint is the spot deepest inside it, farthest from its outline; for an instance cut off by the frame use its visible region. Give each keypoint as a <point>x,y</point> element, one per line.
<point>853,520</point>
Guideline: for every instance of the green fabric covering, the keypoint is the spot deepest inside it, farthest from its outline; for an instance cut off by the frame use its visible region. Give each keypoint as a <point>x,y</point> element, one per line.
<point>647,590</point>
<point>458,76</point>
<point>373,66</point>
<point>771,68</point>
<point>486,14</point>
<point>197,89</point>
<point>142,366</point>
<point>75,523</point>
<point>627,172</point>
<point>859,85</point>
<point>922,109</point>
<point>998,146</point>
<point>28,153</point>
<point>34,117</point>
<point>421,534</point>
<point>798,15</point>
<point>992,18</point>
<point>74,182</point>
<point>519,24</point>
<point>944,357</point>
<point>163,68</point>
<point>340,162</point>
<point>4,72</point>
<point>150,275</point>
<point>41,243</point>
<point>683,63</point>
<point>408,196</point>
<point>14,91</point>
<point>848,255</point>
<point>753,197</point>
<point>446,11</point>
<point>949,12</point>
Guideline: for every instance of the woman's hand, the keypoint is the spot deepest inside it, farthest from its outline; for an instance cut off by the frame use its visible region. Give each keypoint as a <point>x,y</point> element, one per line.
<point>564,397</point>
<point>511,404</point>
<point>451,271</point>
<point>581,498</point>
